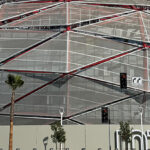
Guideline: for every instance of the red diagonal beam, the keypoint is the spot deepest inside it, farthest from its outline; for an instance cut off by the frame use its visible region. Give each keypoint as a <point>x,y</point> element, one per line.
<point>46,1</point>
<point>130,6</point>
<point>15,18</point>
<point>29,49</point>
<point>27,71</point>
<point>61,76</point>
<point>76,71</point>
<point>145,62</point>
<point>145,55</point>
<point>32,47</point>
<point>142,31</point>
<point>104,60</point>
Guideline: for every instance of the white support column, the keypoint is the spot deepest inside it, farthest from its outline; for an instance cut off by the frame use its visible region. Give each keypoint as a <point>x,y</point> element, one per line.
<point>61,111</point>
<point>67,13</point>
<point>146,53</point>
<point>141,115</point>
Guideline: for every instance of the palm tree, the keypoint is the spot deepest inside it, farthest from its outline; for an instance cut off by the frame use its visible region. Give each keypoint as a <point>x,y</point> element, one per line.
<point>14,82</point>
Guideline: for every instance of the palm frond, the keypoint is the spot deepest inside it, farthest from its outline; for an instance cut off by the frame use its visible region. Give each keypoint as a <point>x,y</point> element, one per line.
<point>14,81</point>
<point>10,79</point>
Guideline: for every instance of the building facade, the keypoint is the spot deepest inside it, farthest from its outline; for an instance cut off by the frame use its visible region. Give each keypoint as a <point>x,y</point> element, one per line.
<point>70,55</point>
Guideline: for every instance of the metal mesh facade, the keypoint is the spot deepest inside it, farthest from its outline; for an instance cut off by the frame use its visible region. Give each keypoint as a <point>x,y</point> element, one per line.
<point>70,54</point>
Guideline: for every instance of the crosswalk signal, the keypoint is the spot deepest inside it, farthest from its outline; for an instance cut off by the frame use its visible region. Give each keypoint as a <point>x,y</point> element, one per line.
<point>123,80</point>
<point>104,112</point>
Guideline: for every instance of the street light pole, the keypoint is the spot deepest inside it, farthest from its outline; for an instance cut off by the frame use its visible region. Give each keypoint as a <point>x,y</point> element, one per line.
<point>61,118</point>
<point>109,129</point>
<point>141,114</point>
<point>61,111</point>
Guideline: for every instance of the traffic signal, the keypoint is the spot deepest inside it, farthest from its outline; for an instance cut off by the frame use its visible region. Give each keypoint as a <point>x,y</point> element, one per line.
<point>104,112</point>
<point>123,80</point>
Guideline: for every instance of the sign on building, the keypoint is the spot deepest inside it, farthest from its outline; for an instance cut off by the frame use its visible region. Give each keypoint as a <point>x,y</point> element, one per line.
<point>137,81</point>
<point>142,138</point>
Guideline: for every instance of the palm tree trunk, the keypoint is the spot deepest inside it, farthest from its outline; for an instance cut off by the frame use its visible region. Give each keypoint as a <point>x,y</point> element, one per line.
<point>60,146</point>
<point>56,145</point>
<point>64,145</point>
<point>126,145</point>
<point>11,121</point>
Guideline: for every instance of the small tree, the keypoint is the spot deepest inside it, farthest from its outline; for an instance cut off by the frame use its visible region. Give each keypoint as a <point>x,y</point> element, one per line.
<point>125,133</point>
<point>14,82</point>
<point>59,135</point>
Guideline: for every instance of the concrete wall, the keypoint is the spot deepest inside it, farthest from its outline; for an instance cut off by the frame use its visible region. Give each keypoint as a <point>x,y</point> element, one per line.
<point>90,137</point>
